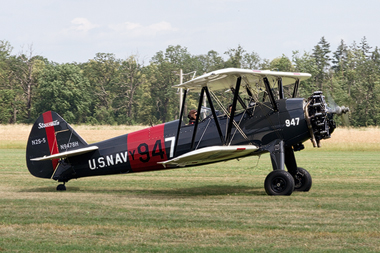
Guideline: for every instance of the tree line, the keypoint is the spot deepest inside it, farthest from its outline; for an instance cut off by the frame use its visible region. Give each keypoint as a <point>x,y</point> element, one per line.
<point>108,90</point>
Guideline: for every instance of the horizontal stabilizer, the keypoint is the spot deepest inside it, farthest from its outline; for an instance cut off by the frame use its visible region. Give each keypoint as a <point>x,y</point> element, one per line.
<point>210,155</point>
<point>66,154</point>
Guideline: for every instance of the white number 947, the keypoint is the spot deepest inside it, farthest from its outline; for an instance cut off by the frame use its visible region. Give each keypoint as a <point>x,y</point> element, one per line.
<point>292,122</point>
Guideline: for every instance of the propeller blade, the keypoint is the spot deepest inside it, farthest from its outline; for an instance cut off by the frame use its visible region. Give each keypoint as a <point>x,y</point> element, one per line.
<point>345,120</point>
<point>330,101</point>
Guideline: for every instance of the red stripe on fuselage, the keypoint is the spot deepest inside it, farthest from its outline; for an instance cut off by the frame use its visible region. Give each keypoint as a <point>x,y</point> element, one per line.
<point>147,147</point>
<point>50,134</point>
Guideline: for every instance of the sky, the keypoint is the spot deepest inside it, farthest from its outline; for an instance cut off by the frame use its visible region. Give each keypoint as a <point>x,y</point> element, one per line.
<point>69,31</point>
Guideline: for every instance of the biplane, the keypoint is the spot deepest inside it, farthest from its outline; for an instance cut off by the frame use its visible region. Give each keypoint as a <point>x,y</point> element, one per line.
<point>262,120</point>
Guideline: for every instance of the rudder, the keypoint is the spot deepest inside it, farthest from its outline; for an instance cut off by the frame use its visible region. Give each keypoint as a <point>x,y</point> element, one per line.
<point>50,134</point>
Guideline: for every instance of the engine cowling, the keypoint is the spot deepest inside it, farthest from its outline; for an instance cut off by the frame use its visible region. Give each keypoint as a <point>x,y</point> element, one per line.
<point>320,120</point>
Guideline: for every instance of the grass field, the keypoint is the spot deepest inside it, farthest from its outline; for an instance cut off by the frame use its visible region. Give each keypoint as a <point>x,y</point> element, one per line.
<point>215,208</point>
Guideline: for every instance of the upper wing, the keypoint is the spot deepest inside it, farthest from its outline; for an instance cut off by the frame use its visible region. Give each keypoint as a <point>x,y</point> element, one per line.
<point>210,155</point>
<point>226,78</point>
<point>66,154</point>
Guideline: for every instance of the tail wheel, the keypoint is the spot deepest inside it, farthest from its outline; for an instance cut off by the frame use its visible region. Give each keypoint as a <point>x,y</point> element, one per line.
<point>279,182</point>
<point>61,187</point>
<point>302,180</point>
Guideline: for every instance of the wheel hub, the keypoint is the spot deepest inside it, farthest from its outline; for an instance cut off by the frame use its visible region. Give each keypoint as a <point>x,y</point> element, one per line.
<point>279,184</point>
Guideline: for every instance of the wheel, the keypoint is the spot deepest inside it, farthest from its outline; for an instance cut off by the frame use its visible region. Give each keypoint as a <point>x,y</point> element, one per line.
<point>302,180</point>
<point>61,187</point>
<point>279,182</point>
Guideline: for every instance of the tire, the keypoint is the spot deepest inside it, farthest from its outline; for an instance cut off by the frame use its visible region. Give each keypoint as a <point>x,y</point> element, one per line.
<point>279,182</point>
<point>61,187</point>
<point>302,180</point>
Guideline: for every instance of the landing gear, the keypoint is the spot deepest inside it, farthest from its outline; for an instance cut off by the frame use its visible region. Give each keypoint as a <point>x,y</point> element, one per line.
<point>61,187</point>
<point>279,182</point>
<point>302,180</point>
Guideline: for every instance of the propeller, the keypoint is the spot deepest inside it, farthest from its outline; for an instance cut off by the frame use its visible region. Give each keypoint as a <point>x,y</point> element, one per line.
<point>333,108</point>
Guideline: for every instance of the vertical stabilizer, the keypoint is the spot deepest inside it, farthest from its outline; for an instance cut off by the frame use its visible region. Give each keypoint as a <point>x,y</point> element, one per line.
<point>50,134</point>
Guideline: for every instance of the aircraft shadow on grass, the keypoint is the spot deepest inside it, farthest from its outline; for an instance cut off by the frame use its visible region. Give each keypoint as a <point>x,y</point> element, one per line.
<point>208,190</point>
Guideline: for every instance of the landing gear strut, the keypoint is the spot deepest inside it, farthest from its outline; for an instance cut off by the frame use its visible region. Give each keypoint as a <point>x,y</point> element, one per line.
<point>281,182</point>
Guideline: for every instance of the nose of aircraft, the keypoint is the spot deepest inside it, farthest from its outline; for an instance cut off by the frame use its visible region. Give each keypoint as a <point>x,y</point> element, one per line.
<point>320,117</point>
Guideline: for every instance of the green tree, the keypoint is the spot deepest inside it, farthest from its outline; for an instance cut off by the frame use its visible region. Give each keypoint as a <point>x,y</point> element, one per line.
<point>365,48</point>
<point>340,59</point>
<point>208,62</point>
<point>164,68</point>
<point>251,61</point>
<point>26,70</point>
<point>131,78</point>
<point>11,94</point>
<point>63,89</point>
<point>236,56</point>
<point>305,64</point>
<point>322,59</point>
<point>364,89</point>
<point>146,104</point>
<point>282,64</point>
<point>6,93</point>
<point>103,74</point>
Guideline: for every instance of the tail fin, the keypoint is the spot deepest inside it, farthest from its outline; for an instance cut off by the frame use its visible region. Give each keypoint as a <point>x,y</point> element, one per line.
<point>50,134</point>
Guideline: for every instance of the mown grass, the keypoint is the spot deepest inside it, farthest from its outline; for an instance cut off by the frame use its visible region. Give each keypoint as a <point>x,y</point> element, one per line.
<point>216,208</point>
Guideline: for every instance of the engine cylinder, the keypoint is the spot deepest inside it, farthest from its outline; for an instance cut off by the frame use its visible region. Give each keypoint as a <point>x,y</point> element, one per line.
<point>320,121</point>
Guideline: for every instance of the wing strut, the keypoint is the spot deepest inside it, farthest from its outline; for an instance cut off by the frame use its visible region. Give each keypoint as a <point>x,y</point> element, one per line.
<point>295,91</point>
<point>196,121</point>
<point>180,121</point>
<point>280,88</point>
<point>240,100</point>
<point>236,95</point>
<point>214,115</point>
<point>270,94</point>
